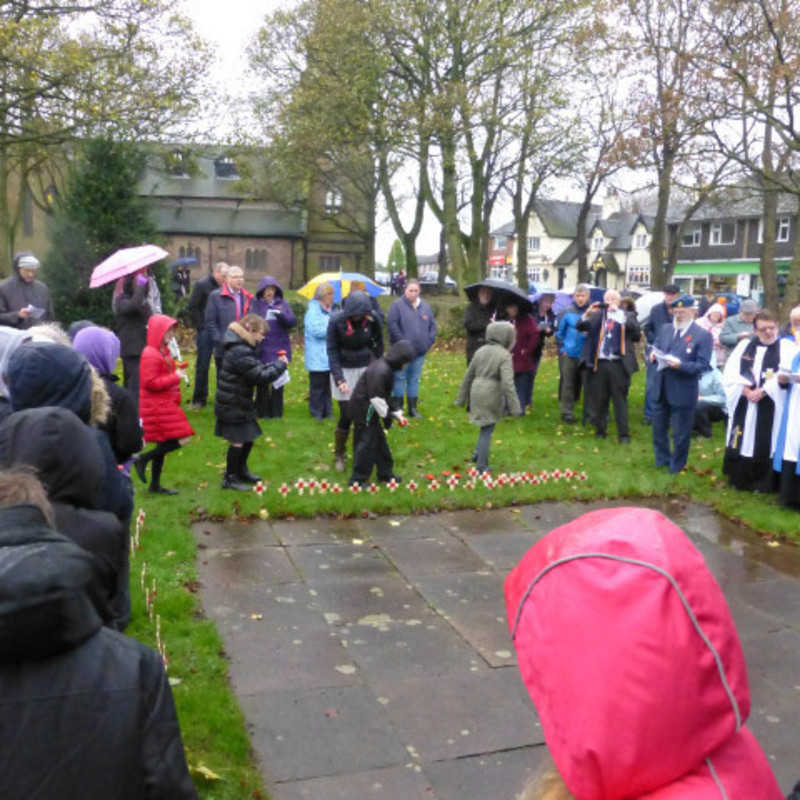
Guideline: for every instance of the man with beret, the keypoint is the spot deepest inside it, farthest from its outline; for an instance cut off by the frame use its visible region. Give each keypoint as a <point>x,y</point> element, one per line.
<point>681,354</point>
<point>24,301</point>
<point>660,314</point>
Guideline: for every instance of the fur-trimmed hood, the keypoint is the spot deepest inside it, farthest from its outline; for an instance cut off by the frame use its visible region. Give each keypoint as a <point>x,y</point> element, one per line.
<point>237,331</point>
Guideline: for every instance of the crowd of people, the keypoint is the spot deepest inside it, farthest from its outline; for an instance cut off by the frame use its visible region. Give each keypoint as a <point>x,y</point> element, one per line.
<point>70,435</point>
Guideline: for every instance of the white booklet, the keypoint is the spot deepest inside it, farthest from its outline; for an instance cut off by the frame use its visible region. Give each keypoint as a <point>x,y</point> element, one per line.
<point>663,359</point>
<point>281,380</point>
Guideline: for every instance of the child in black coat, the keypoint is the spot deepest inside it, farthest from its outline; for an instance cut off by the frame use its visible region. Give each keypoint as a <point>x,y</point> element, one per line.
<point>369,405</point>
<point>234,406</point>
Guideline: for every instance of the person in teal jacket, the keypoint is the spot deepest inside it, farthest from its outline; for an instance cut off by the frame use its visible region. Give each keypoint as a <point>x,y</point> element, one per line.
<point>570,345</point>
<point>316,332</point>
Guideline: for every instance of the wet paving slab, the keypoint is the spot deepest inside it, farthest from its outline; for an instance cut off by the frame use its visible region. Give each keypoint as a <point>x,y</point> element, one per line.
<point>372,658</point>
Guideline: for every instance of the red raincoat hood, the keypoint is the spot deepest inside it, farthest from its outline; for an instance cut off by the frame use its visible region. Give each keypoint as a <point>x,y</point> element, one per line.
<point>157,326</point>
<point>629,652</point>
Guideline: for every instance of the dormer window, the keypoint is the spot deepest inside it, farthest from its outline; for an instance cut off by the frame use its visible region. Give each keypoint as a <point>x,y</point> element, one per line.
<point>225,168</point>
<point>333,201</point>
<point>500,242</point>
<point>598,243</point>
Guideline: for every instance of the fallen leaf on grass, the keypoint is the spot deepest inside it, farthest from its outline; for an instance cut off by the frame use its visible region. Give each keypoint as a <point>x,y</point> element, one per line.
<point>208,774</point>
<point>773,543</point>
<point>256,616</point>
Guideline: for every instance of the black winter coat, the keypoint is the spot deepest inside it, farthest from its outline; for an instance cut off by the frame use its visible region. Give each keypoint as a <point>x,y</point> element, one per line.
<point>70,464</point>
<point>199,300</point>
<point>122,427</point>
<point>131,312</point>
<point>378,379</point>
<point>353,342</point>
<point>241,372</point>
<point>87,712</point>
<point>42,374</point>
<point>476,318</point>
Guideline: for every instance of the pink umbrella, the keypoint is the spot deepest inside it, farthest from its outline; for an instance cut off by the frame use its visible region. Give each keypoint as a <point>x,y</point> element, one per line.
<point>124,262</point>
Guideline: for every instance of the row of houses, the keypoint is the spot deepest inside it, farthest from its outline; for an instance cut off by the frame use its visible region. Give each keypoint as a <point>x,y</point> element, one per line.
<point>720,246</point>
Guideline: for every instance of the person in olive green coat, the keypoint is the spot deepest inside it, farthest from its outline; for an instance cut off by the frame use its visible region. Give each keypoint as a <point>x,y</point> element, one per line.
<point>488,387</point>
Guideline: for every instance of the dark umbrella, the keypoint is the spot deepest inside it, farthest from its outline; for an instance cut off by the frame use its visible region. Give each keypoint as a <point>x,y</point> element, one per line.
<point>183,261</point>
<point>502,289</point>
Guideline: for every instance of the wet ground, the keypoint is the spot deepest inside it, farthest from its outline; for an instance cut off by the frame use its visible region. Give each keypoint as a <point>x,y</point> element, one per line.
<point>372,658</point>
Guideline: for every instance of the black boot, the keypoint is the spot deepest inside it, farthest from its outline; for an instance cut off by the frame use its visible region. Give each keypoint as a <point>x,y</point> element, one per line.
<point>339,449</point>
<point>412,407</point>
<point>157,456</point>
<point>140,465</point>
<point>396,403</point>
<point>233,462</point>
<point>244,472</point>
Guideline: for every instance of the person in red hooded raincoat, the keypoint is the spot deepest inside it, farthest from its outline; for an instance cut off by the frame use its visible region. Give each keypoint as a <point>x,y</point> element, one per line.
<point>630,654</point>
<point>163,419</point>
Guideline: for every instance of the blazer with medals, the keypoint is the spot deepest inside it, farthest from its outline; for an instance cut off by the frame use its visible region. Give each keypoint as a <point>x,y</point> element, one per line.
<point>693,348</point>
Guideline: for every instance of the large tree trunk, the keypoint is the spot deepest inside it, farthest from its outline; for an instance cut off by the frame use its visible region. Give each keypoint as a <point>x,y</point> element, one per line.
<point>521,226</point>
<point>791,297</point>
<point>769,273</point>
<point>658,275</point>
<point>580,239</point>
<point>409,241</point>
<point>455,246</point>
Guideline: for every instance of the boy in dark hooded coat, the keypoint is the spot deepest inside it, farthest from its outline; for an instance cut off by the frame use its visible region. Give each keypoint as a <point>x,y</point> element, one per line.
<point>369,405</point>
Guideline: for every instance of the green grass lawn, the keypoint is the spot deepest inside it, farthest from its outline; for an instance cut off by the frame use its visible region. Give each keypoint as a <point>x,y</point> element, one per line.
<point>298,447</point>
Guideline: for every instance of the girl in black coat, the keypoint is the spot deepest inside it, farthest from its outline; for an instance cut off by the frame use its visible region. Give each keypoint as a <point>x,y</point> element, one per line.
<point>234,407</point>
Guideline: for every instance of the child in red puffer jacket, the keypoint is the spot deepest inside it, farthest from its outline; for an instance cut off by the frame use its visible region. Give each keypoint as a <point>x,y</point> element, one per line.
<point>163,419</point>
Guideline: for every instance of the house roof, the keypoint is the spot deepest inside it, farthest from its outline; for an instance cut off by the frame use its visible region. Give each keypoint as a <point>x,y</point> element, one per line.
<point>568,255</point>
<point>619,227</point>
<point>739,202</point>
<point>203,201</point>
<point>559,218</point>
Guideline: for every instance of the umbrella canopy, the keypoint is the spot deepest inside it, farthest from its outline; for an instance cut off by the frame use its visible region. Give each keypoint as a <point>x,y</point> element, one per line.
<point>645,304</point>
<point>124,262</point>
<point>341,282</point>
<point>183,261</point>
<point>507,292</point>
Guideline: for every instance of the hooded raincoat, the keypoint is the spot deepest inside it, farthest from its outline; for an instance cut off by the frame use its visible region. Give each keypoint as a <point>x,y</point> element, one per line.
<point>87,712</point>
<point>280,319</point>
<point>488,386</point>
<point>631,657</point>
<point>160,387</point>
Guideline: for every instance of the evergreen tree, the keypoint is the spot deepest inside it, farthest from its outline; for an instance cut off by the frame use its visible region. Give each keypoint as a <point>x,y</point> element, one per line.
<point>98,213</point>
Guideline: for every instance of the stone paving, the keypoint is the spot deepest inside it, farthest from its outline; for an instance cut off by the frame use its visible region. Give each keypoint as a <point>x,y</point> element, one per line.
<point>371,658</point>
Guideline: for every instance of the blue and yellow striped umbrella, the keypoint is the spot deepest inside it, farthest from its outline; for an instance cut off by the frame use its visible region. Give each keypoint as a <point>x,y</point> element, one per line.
<point>341,282</point>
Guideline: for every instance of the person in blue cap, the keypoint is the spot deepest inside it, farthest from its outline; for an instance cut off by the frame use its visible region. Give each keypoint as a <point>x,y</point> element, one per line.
<point>681,353</point>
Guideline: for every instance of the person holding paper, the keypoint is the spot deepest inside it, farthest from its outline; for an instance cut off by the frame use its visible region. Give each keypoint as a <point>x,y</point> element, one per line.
<point>24,301</point>
<point>234,408</point>
<point>751,411</point>
<point>270,304</point>
<point>686,350</point>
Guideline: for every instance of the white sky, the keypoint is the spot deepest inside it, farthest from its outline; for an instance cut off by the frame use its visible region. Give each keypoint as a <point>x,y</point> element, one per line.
<point>228,26</point>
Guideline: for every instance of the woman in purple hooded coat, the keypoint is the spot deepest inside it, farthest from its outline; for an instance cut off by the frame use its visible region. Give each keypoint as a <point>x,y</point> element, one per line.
<point>100,347</point>
<point>270,305</point>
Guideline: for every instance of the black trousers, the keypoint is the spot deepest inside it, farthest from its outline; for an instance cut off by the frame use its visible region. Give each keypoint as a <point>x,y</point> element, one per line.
<point>704,414</point>
<point>269,401</point>
<point>319,394</point>
<point>609,383</point>
<point>130,376</point>
<point>370,449</point>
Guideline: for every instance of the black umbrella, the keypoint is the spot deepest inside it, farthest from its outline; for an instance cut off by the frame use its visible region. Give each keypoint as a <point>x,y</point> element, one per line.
<point>503,291</point>
<point>183,261</point>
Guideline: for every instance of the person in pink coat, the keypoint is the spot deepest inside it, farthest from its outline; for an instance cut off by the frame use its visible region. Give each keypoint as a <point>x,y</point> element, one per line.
<point>163,420</point>
<point>712,321</point>
<point>629,652</point>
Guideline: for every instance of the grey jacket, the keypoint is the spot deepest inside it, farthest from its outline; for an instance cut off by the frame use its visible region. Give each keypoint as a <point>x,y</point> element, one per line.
<point>731,328</point>
<point>488,386</point>
<point>15,294</point>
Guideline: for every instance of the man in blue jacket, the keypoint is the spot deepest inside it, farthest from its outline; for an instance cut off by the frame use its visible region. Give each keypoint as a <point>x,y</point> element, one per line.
<point>570,346</point>
<point>660,314</point>
<point>681,354</point>
<point>411,318</point>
